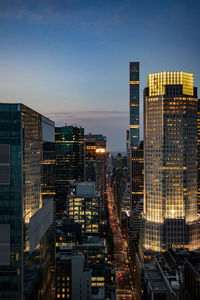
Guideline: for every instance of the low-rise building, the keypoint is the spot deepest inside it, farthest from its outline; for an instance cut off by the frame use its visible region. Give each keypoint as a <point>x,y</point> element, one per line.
<point>73,280</point>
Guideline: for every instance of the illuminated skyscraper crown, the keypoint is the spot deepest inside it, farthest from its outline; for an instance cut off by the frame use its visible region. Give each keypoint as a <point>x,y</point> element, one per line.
<point>157,81</point>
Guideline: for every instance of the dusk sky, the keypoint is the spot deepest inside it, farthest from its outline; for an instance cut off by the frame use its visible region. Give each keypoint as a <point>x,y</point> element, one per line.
<point>69,59</point>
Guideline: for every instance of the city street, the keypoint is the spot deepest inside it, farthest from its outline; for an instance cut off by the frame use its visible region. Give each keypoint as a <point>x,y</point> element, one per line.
<point>121,263</point>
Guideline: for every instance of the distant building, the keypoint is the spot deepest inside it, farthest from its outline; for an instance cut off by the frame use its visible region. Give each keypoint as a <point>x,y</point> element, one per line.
<point>26,202</point>
<point>95,170</point>
<point>69,162</point>
<point>170,216</point>
<point>125,202</point>
<point>83,206</point>
<point>95,162</point>
<point>119,180</point>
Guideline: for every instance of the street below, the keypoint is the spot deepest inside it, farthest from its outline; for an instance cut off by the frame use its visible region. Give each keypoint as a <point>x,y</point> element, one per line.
<point>121,262</point>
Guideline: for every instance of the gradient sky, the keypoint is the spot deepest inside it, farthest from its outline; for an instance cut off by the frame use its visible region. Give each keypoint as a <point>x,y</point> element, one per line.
<point>69,59</point>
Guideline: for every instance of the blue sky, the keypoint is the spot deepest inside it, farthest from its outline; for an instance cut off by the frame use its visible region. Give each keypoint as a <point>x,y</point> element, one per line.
<point>69,59</point>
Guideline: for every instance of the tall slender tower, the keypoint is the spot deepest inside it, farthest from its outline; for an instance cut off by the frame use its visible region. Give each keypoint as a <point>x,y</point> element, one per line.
<point>134,148</point>
<point>134,103</point>
<point>170,162</point>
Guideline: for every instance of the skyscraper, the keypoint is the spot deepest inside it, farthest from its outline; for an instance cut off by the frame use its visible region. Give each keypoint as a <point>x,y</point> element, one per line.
<point>25,217</point>
<point>134,103</point>
<point>95,161</point>
<point>170,162</point>
<point>69,162</point>
<point>95,170</point>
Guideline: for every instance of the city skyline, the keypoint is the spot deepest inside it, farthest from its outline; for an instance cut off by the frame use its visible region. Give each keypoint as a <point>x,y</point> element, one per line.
<point>69,60</point>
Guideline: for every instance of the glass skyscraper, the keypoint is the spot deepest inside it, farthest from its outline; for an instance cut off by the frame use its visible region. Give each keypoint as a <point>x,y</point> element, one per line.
<point>134,103</point>
<point>170,162</point>
<point>70,156</point>
<point>25,217</point>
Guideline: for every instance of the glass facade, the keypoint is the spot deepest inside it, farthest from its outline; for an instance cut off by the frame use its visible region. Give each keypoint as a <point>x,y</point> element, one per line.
<point>11,205</point>
<point>134,103</point>
<point>69,162</point>
<point>22,132</point>
<point>170,156</point>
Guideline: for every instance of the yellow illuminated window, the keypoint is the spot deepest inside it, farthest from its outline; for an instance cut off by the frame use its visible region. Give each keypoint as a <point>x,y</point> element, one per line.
<point>100,278</point>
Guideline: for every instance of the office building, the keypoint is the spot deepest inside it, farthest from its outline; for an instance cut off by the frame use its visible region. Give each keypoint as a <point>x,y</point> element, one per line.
<point>94,250</point>
<point>170,162</point>
<point>95,161</point>
<point>69,162</point>
<point>95,254</point>
<point>73,280</point>
<point>25,215</point>
<point>83,206</point>
<point>68,233</point>
<point>134,103</point>
<point>95,171</point>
